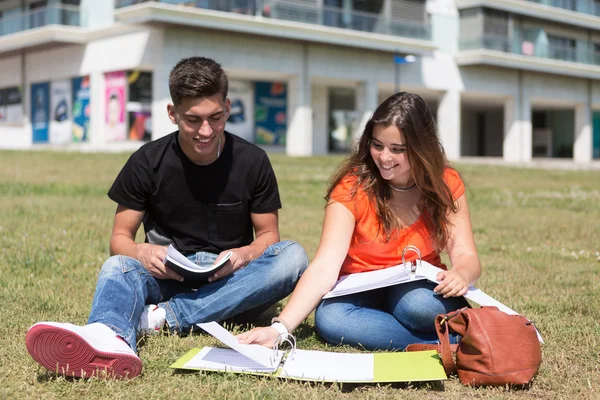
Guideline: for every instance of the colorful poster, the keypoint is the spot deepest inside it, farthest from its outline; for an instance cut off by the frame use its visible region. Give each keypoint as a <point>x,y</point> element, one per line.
<point>241,117</point>
<point>40,111</point>
<point>81,108</point>
<point>61,122</point>
<point>115,106</point>
<point>270,113</point>
<point>14,107</point>
<point>139,105</point>
<point>140,86</point>
<point>140,125</point>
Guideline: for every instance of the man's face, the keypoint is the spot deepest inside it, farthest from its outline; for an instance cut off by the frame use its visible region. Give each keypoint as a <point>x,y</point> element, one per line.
<point>201,123</point>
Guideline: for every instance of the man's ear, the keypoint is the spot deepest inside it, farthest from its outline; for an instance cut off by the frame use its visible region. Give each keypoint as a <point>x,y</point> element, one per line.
<point>172,113</point>
<point>227,107</point>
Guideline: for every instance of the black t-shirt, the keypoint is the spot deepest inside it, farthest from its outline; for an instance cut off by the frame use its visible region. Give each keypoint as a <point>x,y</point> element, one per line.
<point>197,208</point>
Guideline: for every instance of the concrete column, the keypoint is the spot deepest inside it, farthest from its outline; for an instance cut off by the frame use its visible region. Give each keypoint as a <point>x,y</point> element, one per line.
<point>95,14</point>
<point>448,122</point>
<point>526,130</point>
<point>517,131</point>
<point>320,105</point>
<point>161,124</point>
<point>582,147</point>
<point>510,145</point>
<point>98,109</point>
<point>299,137</point>
<point>367,100</point>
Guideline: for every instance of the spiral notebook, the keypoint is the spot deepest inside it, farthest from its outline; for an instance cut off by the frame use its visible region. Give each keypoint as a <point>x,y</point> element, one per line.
<point>311,365</point>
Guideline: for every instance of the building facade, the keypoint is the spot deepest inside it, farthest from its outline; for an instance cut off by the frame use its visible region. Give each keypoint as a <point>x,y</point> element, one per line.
<point>516,79</point>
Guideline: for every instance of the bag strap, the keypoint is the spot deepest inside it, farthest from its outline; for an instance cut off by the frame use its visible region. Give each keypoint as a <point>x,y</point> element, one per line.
<point>425,347</point>
<point>443,331</point>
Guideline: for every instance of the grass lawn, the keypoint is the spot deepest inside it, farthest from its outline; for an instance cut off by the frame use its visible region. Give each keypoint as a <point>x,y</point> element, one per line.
<point>537,233</point>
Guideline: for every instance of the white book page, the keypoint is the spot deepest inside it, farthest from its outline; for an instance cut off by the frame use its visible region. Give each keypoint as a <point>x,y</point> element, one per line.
<point>262,355</point>
<point>363,281</point>
<point>183,261</point>
<point>327,366</point>
<point>224,360</point>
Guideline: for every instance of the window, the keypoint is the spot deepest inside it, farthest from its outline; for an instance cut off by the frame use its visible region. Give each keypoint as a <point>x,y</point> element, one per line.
<point>37,14</point>
<point>561,48</point>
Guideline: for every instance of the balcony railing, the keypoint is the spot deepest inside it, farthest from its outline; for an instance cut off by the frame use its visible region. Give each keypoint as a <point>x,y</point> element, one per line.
<point>59,15</point>
<point>591,7</point>
<point>296,12</point>
<point>529,48</point>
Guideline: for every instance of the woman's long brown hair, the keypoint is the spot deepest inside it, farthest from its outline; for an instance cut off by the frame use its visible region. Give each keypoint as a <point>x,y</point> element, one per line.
<point>409,113</point>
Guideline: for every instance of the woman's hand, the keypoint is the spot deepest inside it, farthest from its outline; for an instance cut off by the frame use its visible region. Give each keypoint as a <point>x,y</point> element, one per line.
<point>452,284</point>
<point>265,336</point>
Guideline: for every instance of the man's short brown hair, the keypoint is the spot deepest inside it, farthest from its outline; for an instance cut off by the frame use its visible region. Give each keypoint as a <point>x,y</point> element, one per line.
<point>195,77</point>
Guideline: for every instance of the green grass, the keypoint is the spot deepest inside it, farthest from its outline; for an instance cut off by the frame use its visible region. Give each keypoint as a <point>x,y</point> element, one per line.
<point>537,233</point>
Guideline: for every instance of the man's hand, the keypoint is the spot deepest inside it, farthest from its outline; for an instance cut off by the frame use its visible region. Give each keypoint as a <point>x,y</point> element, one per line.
<point>152,256</point>
<point>452,284</point>
<point>239,259</point>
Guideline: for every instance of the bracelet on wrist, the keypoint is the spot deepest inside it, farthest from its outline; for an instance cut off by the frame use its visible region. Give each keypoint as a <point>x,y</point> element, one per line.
<point>281,321</point>
<point>281,329</point>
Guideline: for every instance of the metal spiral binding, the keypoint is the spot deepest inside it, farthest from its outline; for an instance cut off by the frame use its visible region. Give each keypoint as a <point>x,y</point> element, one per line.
<point>415,249</point>
<point>281,339</point>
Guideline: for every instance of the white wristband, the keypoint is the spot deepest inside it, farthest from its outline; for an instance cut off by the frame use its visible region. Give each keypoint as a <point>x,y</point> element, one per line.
<point>279,327</point>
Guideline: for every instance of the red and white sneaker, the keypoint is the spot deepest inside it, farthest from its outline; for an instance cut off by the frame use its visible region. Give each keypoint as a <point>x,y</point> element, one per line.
<point>152,320</point>
<point>82,351</point>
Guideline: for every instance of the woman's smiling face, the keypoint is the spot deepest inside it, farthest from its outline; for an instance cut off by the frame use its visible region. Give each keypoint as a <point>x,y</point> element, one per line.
<point>388,150</point>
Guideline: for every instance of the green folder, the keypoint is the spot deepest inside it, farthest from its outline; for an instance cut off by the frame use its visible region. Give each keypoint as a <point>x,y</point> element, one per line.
<point>418,366</point>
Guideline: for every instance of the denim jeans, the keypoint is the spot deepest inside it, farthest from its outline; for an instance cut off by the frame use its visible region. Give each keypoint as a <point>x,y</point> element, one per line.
<point>385,319</point>
<point>124,287</point>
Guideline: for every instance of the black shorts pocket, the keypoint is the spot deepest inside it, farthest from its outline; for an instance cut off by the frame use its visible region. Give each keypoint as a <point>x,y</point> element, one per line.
<point>228,221</point>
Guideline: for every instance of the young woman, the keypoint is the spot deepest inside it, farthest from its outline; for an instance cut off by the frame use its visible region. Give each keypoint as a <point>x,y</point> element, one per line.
<point>395,190</point>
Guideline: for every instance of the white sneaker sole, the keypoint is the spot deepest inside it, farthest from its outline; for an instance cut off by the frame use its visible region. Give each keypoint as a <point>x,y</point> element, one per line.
<point>66,353</point>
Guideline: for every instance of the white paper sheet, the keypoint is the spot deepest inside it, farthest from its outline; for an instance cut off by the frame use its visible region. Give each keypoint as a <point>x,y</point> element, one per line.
<point>260,354</point>
<point>363,281</point>
<point>320,365</point>
<point>225,360</point>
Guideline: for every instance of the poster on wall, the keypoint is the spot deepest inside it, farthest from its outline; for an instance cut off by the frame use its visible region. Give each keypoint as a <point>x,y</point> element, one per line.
<point>115,128</point>
<point>241,118</point>
<point>61,122</point>
<point>139,105</point>
<point>40,111</point>
<point>270,113</point>
<point>140,86</point>
<point>81,108</point>
<point>140,125</point>
<point>14,106</point>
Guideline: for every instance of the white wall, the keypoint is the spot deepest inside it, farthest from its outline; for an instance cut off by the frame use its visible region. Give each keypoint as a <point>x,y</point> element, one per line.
<point>11,71</point>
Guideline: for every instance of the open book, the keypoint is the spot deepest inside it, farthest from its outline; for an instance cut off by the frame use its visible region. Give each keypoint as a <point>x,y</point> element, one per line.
<point>193,274</point>
<point>311,365</point>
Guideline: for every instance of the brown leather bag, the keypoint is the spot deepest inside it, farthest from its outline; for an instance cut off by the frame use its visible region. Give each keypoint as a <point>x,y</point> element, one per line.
<point>496,348</point>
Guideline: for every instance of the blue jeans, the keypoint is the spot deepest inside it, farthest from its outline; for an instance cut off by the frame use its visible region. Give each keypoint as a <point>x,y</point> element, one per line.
<point>124,287</point>
<point>385,319</point>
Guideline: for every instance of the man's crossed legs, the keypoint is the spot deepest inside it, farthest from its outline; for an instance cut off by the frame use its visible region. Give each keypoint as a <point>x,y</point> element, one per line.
<point>126,294</point>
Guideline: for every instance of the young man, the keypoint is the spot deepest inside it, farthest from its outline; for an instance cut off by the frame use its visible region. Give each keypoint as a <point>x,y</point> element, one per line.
<point>203,190</point>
